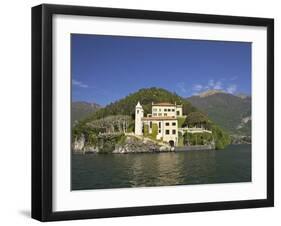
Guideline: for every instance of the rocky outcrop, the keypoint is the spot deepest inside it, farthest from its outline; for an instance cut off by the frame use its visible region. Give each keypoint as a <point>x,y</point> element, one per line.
<point>244,121</point>
<point>135,145</point>
<point>90,149</point>
<point>237,139</point>
<point>78,144</point>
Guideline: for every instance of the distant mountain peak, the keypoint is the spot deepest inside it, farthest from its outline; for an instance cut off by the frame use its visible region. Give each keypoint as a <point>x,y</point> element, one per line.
<point>82,109</point>
<point>87,103</point>
<point>210,92</point>
<point>242,95</point>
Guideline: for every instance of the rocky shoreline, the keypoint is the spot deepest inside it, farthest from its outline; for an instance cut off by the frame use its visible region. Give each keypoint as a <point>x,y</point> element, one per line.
<point>134,145</point>
<point>130,145</point>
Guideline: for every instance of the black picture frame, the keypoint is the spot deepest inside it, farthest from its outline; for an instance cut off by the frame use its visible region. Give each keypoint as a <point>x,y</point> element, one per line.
<point>42,107</point>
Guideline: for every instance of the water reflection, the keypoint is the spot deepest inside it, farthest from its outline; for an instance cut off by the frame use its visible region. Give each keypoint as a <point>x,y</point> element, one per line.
<point>161,169</point>
<point>170,169</point>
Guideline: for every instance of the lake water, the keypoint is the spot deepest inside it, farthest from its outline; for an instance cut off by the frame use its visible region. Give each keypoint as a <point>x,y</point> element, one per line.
<point>100,171</point>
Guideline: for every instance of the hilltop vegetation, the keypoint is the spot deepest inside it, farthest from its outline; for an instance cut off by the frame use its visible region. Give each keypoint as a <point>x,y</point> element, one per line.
<point>126,106</point>
<point>118,117</point>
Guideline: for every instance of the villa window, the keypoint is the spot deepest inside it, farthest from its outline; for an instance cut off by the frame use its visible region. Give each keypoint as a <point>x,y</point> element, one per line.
<point>165,114</point>
<point>169,109</point>
<point>174,131</point>
<point>159,114</point>
<point>137,111</point>
<point>154,114</point>
<point>165,109</point>
<point>167,132</point>
<point>159,131</point>
<point>150,125</point>
<point>178,112</point>
<point>159,124</point>
<point>174,124</point>
<point>167,124</point>
<point>173,109</point>
<point>154,109</point>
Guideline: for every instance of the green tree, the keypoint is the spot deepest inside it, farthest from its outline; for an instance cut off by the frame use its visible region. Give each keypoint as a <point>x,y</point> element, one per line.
<point>195,119</point>
<point>221,138</point>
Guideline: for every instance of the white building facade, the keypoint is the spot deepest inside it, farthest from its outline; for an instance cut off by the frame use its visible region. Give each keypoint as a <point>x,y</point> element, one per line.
<point>138,119</point>
<point>166,110</point>
<point>164,115</point>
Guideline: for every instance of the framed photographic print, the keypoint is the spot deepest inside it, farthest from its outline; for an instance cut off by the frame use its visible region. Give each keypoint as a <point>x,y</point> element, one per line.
<point>145,112</point>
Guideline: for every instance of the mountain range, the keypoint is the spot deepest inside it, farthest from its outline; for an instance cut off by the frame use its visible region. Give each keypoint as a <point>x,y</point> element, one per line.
<point>230,112</point>
<point>81,110</point>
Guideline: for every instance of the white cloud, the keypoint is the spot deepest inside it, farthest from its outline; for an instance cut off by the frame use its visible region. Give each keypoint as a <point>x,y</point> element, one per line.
<point>181,87</point>
<point>214,84</point>
<point>218,85</point>
<point>233,78</point>
<point>197,87</point>
<point>79,84</point>
<point>231,88</point>
<point>211,83</point>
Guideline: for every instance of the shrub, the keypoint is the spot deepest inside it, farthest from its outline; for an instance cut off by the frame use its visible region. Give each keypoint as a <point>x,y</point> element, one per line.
<point>154,131</point>
<point>108,147</point>
<point>92,139</point>
<point>181,121</point>
<point>180,140</point>
<point>121,140</point>
<point>131,127</point>
<point>145,130</point>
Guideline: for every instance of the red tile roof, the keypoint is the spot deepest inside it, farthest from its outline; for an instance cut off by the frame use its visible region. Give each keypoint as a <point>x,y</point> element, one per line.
<point>166,104</point>
<point>163,104</point>
<point>158,118</point>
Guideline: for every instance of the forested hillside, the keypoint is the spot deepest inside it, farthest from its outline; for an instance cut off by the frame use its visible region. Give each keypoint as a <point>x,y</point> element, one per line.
<point>230,112</point>
<point>118,117</point>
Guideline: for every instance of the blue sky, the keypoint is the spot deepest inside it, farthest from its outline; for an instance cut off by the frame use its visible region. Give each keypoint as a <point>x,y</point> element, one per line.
<point>107,68</point>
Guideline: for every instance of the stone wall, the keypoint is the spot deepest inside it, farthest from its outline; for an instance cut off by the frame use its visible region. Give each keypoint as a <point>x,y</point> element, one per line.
<point>195,148</point>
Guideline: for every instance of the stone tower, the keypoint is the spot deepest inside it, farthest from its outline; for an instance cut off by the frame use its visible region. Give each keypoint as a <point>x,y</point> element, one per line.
<point>138,117</point>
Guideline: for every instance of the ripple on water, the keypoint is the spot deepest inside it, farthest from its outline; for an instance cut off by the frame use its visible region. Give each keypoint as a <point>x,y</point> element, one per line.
<point>161,169</point>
